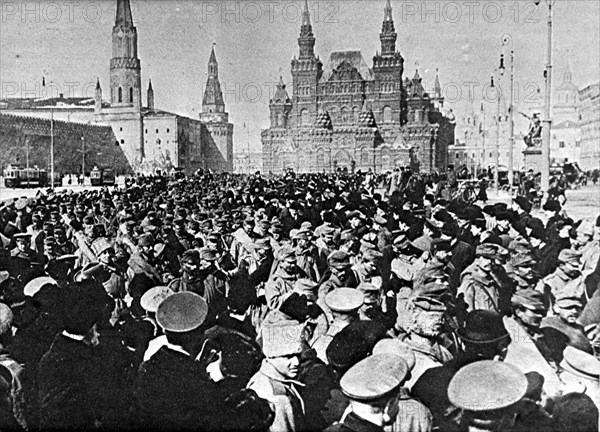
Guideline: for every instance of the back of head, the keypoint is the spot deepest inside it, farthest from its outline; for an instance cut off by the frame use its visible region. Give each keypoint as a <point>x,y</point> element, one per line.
<point>576,412</point>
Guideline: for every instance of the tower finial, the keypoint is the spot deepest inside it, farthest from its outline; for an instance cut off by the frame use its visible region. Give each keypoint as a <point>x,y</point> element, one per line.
<point>388,11</point>
<point>306,14</point>
<point>124,13</point>
<point>388,34</point>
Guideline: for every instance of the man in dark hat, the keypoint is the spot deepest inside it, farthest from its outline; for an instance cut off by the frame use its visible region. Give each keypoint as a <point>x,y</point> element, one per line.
<point>373,389</point>
<point>68,379</point>
<point>483,337</point>
<point>173,389</point>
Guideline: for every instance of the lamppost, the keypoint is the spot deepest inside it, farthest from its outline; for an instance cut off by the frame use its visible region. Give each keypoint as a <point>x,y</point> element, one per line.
<point>83,158</point>
<point>547,120</point>
<point>500,72</point>
<point>507,41</point>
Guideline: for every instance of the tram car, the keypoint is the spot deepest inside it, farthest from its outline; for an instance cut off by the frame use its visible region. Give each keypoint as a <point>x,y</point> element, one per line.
<point>19,177</point>
<point>102,177</point>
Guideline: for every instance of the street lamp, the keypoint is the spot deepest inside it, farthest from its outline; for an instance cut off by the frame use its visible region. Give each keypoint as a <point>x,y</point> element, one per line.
<point>546,129</point>
<point>83,158</point>
<point>507,41</point>
<point>500,73</point>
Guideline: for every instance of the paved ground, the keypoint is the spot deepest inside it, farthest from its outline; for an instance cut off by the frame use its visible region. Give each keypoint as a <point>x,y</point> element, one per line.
<point>581,203</point>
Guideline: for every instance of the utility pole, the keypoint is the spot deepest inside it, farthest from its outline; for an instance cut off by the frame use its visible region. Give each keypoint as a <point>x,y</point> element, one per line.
<point>52,146</point>
<point>546,130</point>
<point>507,40</point>
<point>83,158</point>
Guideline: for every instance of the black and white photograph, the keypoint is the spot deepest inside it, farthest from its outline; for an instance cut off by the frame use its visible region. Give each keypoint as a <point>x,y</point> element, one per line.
<point>300,215</point>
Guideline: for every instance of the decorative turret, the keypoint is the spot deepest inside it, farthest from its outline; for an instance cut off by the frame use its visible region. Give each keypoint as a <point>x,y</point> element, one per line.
<point>150,96</point>
<point>388,34</point>
<point>367,119</point>
<point>280,106</point>
<point>98,98</point>
<point>306,41</point>
<point>125,67</point>
<point>323,121</point>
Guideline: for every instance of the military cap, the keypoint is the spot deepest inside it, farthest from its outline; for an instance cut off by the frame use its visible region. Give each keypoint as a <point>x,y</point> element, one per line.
<point>535,384</point>
<point>22,236</point>
<point>208,254</point>
<point>439,244</point>
<point>354,214</point>
<point>214,237</point>
<point>21,203</point>
<point>282,338</point>
<point>374,377</point>
<point>483,327</point>
<point>586,228</point>
<point>400,241</point>
<point>432,287</point>
<point>60,266</point>
<point>276,228</point>
<point>286,253</point>
<point>249,220</point>
<point>569,296</point>
<point>529,299</point>
<point>303,233</point>
<point>306,226</point>
<point>487,385</point>
<point>580,363</point>
<point>379,220</point>
<point>89,220</point>
<point>35,285</point>
<point>398,348</point>
<point>264,223</point>
<point>503,215</point>
<point>6,319</point>
<point>146,240</point>
<point>190,257</point>
<point>569,256</point>
<point>101,245</point>
<point>263,243</point>
<point>347,235</point>
<point>486,250</point>
<point>370,291</point>
<point>338,259</point>
<point>422,244</point>
<point>552,205</point>
<point>4,276</point>
<point>450,229</point>
<point>327,231</point>
<point>344,300</point>
<point>181,312</point>
<point>306,287</point>
<point>371,255</point>
<point>522,260</point>
<point>428,304</point>
<point>154,297</point>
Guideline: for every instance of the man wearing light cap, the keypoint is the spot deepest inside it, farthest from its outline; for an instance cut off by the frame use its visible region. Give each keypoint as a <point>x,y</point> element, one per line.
<point>522,273</point>
<point>173,390</point>
<point>276,379</point>
<point>488,393</point>
<point>373,388</point>
<point>569,265</point>
<point>281,283</point>
<point>343,305</point>
<point>368,269</point>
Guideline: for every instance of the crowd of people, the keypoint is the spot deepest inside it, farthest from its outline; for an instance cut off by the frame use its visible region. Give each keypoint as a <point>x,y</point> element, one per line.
<point>302,302</point>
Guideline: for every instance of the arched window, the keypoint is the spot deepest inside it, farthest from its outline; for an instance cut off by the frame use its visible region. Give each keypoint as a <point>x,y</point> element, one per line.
<point>280,119</point>
<point>344,115</point>
<point>305,117</point>
<point>130,94</point>
<point>320,159</point>
<point>355,114</point>
<point>120,94</point>
<point>387,114</point>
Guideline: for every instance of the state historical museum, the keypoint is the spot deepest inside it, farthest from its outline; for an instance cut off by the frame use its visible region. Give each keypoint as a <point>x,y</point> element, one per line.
<point>354,117</point>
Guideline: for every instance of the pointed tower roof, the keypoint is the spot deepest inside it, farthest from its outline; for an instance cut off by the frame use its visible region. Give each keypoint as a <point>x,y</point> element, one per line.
<point>437,87</point>
<point>367,119</point>
<point>213,57</point>
<point>124,17</point>
<point>150,84</point>
<point>98,84</point>
<point>388,34</point>
<point>212,93</point>
<point>323,121</point>
<point>306,14</point>
<point>281,95</point>
<point>388,12</point>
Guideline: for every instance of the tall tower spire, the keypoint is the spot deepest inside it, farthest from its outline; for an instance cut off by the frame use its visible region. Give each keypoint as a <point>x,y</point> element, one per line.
<point>150,96</point>
<point>388,34</point>
<point>213,97</point>
<point>306,41</point>
<point>437,87</point>
<point>125,67</point>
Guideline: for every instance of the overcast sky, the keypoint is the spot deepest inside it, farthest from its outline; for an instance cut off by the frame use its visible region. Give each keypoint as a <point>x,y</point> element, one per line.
<point>69,42</point>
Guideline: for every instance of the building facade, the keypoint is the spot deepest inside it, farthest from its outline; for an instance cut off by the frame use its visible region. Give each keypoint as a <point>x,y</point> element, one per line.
<point>247,162</point>
<point>347,115</point>
<point>590,127</point>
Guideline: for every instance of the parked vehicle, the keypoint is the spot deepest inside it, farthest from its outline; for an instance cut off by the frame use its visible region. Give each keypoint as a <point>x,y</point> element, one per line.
<point>102,177</point>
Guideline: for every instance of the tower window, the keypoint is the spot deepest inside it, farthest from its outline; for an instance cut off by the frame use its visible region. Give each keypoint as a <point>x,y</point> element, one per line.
<point>120,94</point>
<point>131,94</point>
<point>120,129</point>
<point>156,130</point>
<point>167,130</point>
<point>122,141</point>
